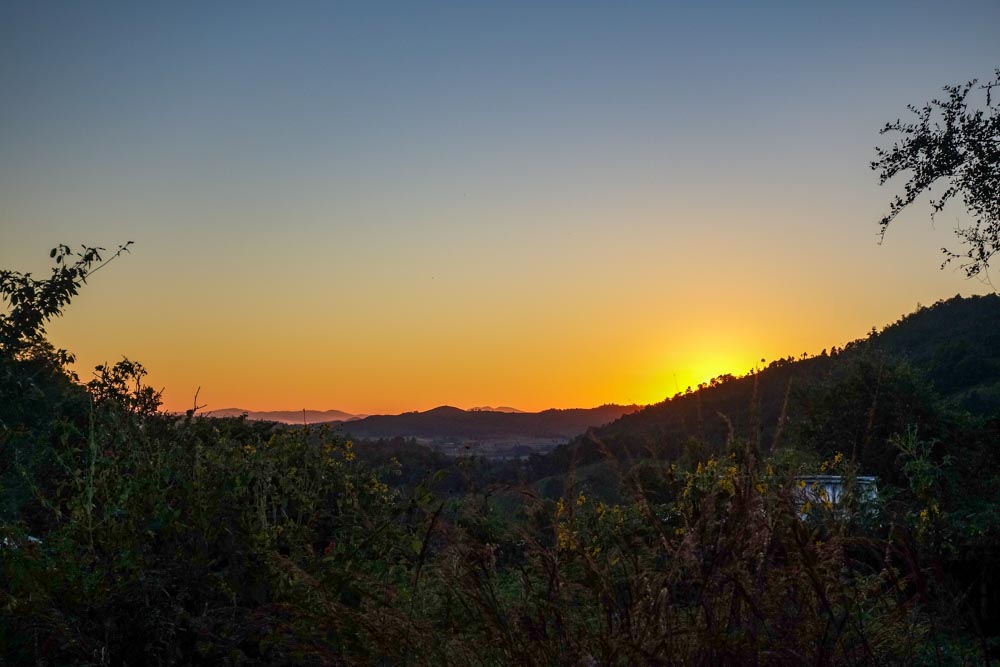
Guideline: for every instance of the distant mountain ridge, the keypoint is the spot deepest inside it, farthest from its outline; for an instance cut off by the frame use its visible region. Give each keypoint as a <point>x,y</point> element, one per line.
<point>479,425</point>
<point>447,423</point>
<point>287,416</point>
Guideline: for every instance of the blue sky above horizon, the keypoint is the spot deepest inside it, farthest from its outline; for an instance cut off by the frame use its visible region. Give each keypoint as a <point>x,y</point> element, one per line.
<point>379,207</point>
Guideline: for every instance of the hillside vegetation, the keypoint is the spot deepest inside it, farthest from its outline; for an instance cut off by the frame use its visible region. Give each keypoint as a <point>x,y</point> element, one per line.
<point>680,534</point>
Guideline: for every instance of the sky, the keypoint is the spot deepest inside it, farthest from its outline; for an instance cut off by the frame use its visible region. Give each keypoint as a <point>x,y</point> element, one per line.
<point>382,207</point>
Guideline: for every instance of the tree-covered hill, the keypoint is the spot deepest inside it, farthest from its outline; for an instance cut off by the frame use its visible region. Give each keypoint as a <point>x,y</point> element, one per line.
<point>956,345</point>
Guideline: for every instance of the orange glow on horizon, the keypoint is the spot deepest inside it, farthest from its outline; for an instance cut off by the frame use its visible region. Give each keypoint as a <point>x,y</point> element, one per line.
<point>313,361</point>
<point>319,222</point>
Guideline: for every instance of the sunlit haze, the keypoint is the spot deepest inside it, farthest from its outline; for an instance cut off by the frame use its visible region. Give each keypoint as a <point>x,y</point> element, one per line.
<point>383,208</point>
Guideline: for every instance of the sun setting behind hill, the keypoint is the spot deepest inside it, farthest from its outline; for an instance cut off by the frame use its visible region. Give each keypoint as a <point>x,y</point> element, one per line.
<point>513,333</point>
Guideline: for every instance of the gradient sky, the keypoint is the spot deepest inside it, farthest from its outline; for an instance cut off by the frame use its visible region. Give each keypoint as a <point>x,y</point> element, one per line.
<point>384,207</point>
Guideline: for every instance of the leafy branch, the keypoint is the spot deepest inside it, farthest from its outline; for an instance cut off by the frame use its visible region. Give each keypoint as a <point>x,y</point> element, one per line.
<point>34,301</point>
<point>956,140</point>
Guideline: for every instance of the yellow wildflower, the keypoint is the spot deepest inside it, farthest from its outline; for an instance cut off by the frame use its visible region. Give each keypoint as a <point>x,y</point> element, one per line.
<point>565,538</point>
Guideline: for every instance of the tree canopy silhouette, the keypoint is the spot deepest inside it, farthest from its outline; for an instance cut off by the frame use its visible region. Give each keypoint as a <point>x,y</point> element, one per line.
<point>954,139</point>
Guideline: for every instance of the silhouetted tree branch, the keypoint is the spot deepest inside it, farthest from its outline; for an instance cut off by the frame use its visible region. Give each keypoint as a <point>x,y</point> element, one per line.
<point>33,302</point>
<point>955,139</point>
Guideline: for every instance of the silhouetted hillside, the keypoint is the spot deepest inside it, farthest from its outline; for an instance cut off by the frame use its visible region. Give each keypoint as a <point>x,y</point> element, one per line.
<point>728,405</point>
<point>851,400</point>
